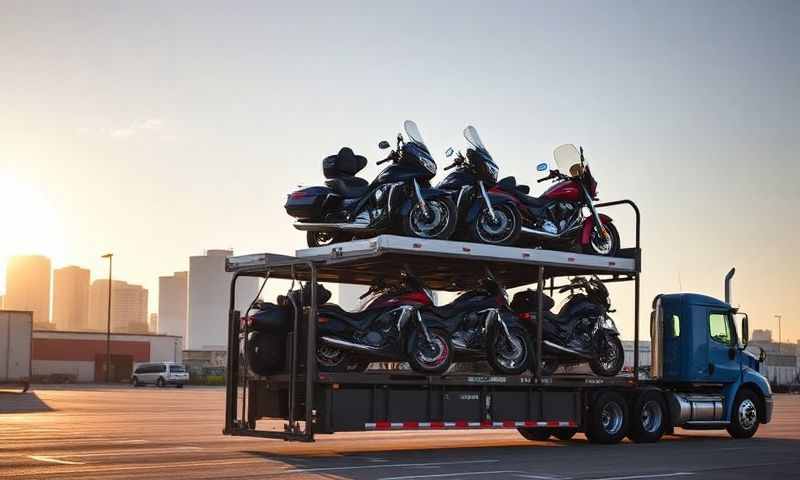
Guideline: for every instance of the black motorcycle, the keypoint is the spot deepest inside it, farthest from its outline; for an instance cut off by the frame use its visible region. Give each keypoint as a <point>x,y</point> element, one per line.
<point>399,200</point>
<point>483,215</point>
<point>580,332</point>
<point>482,327</point>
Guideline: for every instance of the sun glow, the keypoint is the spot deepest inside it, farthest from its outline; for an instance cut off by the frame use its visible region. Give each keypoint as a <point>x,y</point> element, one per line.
<point>29,223</point>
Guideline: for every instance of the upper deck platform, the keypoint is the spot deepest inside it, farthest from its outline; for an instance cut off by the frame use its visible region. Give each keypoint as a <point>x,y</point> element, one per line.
<point>441,264</point>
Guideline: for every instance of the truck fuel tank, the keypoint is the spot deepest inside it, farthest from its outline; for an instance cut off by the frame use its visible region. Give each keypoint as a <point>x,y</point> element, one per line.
<point>688,408</point>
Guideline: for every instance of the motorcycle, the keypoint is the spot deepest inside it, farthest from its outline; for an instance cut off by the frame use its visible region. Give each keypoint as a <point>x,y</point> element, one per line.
<point>389,327</point>
<point>580,332</point>
<point>499,223</point>
<point>482,327</point>
<point>557,217</point>
<point>400,199</point>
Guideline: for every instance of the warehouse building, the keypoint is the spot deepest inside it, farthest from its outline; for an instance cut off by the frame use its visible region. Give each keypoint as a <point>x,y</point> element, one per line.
<point>81,356</point>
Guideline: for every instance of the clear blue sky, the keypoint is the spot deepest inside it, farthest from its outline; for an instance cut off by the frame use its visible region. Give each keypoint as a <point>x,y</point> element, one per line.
<point>159,130</point>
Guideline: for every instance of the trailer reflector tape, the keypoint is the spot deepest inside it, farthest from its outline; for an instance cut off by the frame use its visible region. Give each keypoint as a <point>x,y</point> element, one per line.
<point>463,424</point>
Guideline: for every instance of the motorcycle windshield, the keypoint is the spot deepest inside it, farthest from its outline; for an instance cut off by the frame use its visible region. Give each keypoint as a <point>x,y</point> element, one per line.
<point>566,158</point>
<point>412,130</point>
<point>471,134</point>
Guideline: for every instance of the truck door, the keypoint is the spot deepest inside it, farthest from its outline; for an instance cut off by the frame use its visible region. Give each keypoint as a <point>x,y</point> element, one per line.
<point>723,364</point>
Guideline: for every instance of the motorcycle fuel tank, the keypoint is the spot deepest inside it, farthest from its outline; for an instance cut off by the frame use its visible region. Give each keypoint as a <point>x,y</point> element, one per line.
<point>567,190</point>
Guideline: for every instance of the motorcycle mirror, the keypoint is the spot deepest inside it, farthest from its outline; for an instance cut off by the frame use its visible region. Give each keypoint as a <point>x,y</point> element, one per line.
<point>449,152</point>
<point>541,167</point>
<point>383,145</point>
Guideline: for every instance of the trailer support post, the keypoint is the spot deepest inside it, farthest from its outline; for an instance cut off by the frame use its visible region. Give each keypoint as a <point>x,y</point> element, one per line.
<point>635,330</point>
<point>232,374</point>
<point>539,315</point>
<point>311,357</point>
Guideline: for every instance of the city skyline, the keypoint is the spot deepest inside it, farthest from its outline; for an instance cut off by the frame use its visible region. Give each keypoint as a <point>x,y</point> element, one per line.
<point>160,140</point>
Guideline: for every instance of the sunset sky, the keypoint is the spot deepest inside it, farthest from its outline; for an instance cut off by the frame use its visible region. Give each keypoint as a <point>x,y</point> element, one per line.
<point>158,130</point>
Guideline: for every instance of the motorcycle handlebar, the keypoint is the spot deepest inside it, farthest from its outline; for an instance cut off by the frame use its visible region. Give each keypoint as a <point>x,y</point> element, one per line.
<point>450,166</point>
<point>383,161</point>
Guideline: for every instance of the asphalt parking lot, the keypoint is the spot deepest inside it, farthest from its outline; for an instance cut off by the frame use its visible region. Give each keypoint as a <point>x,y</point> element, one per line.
<point>99,432</point>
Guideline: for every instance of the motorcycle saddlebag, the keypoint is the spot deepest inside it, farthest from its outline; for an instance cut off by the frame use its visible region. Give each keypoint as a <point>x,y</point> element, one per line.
<point>309,202</point>
<point>266,352</point>
<point>527,301</point>
<point>270,318</point>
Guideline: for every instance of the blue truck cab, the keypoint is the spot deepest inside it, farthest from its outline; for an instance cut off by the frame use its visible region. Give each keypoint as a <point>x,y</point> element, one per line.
<point>699,357</point>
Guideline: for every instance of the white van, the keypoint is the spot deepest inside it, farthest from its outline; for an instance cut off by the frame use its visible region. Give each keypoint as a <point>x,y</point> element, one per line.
<point>160,374</point>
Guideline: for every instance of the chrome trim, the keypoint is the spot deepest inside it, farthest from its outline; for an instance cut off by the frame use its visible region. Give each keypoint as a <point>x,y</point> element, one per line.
<point>423,328</point>
<point>552,345</point>
<point>420,200</point>
<point>694,409</point>
<point>539,233</point>
<point>390,196</point>
<point>329,227</point>
<point>657,342</point>
<point>345,345</point>
<point>405,312</point>
<point>464,189</point>
<point>488,202</point>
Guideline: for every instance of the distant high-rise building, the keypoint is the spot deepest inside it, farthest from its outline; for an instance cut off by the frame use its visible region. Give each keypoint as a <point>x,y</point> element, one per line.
<point>71,298</point>
<point>128,307</point>
<point>152,324</point>
<point>173,304</point>
<point>760,335</point>
<point>28,287</point>
<point>209,294</point>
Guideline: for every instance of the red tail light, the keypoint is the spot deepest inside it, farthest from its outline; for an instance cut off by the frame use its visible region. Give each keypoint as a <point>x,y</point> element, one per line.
<point>298,194</point>
<point>526,316</point>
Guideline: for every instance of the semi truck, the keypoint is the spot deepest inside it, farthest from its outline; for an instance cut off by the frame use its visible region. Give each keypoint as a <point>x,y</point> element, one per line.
<point>701,376</point>
<point>16,333</point>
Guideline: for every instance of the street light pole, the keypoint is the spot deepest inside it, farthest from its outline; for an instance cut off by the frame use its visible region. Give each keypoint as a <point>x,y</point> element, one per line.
<point>780,337</point>
<point>109,256</point>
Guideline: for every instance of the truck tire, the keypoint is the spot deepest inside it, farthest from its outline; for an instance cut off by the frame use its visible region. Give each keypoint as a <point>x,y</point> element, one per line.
<point>744,414</point>
<point>564,434</point>
<point>607,420</point>
<point>535,434</point>
<point>648,417</point>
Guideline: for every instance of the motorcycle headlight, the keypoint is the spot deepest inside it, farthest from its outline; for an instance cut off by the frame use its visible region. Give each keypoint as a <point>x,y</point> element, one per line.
<point>492,170</point>
<point>428,163</point>
<point>608,324</point>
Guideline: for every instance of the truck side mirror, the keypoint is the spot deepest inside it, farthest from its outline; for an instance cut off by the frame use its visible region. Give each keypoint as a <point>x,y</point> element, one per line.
<point>745,331</point>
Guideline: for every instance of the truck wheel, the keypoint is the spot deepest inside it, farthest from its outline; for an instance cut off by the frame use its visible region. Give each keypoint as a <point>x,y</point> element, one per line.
<point>535,434</point>
<point>608,419</point>
<point>510,359</point>
<point>744,416</point>
<point>564,434</point>
<point>428,358</point>
<point>648,417</point>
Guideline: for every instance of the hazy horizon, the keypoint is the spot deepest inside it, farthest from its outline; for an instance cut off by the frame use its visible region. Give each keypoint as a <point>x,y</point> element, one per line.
<point>158,131</point>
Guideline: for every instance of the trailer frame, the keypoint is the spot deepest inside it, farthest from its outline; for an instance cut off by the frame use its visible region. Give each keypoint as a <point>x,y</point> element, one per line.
<point>363,261</point>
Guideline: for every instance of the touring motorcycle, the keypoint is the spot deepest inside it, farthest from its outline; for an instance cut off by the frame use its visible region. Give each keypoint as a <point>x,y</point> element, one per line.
<point>400,199</point>
<point>482,327</point>
<point>556,218</point>
<point>582,331</point>
<point>388,327</point>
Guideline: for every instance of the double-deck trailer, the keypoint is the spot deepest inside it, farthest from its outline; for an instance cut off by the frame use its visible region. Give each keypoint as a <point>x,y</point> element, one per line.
<point>699,379</point>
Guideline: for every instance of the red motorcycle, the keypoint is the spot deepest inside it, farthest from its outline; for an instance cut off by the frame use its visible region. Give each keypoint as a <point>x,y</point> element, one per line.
<point>557,219</point>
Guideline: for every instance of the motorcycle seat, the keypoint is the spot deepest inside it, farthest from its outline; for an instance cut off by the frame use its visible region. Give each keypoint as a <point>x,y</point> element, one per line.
<point>348,186</point>
<point>509,184</point>
<point>361,318</point>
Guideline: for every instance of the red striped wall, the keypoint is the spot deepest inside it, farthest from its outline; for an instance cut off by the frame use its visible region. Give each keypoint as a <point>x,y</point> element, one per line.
<point>86,350</point>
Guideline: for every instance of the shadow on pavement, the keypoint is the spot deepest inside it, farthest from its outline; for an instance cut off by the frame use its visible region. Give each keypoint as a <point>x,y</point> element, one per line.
<point>18,402</point>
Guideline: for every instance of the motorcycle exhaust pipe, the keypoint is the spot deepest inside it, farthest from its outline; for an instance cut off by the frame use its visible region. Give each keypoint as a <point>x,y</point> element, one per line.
<point>329,227</point>
<point>539,233</point>
<point>570,351</point>
<point>345,345</point>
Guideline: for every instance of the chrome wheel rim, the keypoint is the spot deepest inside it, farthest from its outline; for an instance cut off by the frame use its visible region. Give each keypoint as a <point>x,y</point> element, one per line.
<point>513,355</point>
<point>608,359</point>
<point>651,416</point>
<point>329,356</point>
<point>496,230</point>
<point>600,245</point>
<point>324,238</point>
<point>611,418</point>
<point>433,354</point>
<point>432,224</point>
<point>748,415</point>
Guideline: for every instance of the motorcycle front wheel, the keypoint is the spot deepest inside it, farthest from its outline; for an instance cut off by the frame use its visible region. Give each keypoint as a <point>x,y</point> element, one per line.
<point>510,358</point>
<point>598,245</point>
<point>503,229</point>
<point>439,222</point>
<point>331,359</point>
<point>608,362</point>
<point>430,358</point>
